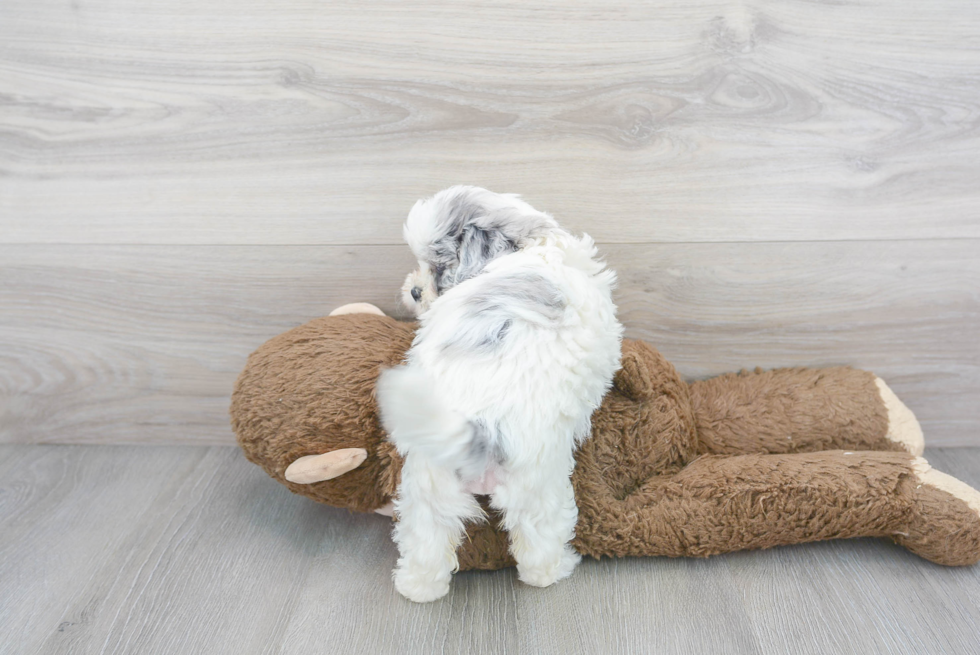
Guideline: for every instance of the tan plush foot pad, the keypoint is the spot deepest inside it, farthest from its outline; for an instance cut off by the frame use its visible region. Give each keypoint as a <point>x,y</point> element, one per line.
<point>357,308</point>
<point>902,424</point>
<point>945,526</point>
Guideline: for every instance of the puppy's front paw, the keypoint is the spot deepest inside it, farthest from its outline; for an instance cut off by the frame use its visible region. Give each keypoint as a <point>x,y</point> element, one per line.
<point>420,585</point>
<point>548,572</point>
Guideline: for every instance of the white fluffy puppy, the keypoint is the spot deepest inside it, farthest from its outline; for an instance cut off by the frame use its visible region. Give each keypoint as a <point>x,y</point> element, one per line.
<point>517,345</point>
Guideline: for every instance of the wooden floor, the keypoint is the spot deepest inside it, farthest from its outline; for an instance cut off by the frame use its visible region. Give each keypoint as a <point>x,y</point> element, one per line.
<point>190,549</point>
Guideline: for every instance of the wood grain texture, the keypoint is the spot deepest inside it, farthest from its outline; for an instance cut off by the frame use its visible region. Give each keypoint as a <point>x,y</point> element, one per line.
<point>160,550</point>
<point>104,344</point>
<point>303,122</point>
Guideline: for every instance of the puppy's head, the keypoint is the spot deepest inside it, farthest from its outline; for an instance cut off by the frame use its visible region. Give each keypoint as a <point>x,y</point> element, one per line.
<point>457,232</point>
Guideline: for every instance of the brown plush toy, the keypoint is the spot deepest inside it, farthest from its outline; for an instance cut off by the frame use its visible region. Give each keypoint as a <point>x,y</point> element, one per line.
<point>752,460</point>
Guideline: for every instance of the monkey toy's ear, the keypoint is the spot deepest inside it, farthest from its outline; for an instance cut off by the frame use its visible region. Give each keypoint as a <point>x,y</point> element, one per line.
<point>643,371</point>
<point>327,466</point>
<point>631,378</point>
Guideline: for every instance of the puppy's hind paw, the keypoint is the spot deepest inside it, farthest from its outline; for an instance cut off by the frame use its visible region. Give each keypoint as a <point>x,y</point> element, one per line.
<point>421,586</point>
<point>545,574</point>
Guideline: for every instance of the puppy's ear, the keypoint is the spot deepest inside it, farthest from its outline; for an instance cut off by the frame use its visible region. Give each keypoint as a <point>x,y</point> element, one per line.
<point>458,231</point>
<point>479,226</point>
<point>478,246</point>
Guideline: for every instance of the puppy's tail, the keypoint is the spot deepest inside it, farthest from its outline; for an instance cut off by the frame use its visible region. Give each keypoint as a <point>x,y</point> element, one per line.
<point>417,421</point>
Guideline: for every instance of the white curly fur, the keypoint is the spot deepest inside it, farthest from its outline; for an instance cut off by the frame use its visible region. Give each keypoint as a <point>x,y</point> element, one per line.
<point>518,343</point>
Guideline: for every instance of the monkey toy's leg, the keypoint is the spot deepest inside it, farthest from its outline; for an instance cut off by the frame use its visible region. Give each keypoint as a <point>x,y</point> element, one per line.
<point>801,410</point>
<point>720,504</point>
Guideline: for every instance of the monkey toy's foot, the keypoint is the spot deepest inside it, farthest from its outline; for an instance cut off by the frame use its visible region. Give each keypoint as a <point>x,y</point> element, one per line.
<point>945,523</point>
<point>903,427</point>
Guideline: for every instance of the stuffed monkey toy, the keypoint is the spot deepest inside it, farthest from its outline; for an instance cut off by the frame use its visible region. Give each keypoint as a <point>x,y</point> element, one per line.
<point>748,460</point>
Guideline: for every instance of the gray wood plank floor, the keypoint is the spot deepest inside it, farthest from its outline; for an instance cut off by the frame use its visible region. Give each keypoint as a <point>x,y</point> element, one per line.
<point>189,549</point>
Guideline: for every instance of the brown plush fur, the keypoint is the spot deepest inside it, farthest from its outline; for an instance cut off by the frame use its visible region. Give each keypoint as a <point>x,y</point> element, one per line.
<point>310,391</point>
<point>751,460</point>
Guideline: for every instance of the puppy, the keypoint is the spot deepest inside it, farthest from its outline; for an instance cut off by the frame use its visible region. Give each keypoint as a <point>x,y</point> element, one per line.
<point>518,343</point>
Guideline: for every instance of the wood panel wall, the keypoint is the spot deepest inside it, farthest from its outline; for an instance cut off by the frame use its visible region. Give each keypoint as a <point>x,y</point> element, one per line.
<point>778,183</point>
